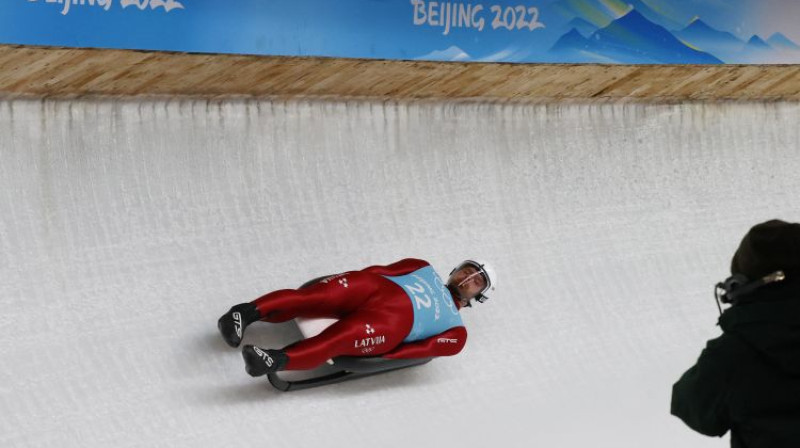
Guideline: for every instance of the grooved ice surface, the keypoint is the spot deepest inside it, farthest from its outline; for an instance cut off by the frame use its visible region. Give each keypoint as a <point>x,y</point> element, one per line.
<point>127,228</point>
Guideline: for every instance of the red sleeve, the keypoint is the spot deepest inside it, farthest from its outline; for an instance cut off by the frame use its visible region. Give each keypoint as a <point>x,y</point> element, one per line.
<point>447,343</point>
<point>402,267</point>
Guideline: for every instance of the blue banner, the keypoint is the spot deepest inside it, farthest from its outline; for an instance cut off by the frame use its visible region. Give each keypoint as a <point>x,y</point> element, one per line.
<point>524,31</point>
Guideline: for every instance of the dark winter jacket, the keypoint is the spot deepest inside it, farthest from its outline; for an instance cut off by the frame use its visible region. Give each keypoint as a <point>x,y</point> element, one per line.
<point>748,380</point>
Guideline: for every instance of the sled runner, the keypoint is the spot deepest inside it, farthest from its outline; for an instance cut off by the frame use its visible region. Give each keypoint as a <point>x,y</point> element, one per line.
<point>347,367</point>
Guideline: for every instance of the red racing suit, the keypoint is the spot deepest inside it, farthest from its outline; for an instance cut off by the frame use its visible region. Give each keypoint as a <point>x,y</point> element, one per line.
<point>375,315</point>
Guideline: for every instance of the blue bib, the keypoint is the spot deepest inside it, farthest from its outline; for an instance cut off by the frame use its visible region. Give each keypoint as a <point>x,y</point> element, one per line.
<point>434,309</point>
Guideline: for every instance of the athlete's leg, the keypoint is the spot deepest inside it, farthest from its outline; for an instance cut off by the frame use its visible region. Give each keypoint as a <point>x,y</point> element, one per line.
<point>366,332</point>
<point>334,296</point>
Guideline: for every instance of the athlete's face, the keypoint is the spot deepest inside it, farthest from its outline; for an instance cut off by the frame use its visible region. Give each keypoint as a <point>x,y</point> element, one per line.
<point>468,281</point>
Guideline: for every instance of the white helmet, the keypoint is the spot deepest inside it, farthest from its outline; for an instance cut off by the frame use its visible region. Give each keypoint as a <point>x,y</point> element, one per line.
<point>486,271</point>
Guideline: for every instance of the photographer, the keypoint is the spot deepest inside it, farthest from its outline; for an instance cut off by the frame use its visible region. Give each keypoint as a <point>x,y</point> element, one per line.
<point>748,380</point>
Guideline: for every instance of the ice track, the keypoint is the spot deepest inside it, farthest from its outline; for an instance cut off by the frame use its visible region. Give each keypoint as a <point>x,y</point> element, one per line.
<point>127,228</point>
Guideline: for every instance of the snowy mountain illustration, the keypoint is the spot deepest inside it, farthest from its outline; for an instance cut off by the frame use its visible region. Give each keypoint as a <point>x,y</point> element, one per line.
<point>628,32</point>
<point>643,31</point>
<point>582,26</point>
<point>759,51</point>
<point>573,47</point>
<point>703,37</point>
<point>757,43</point>
<point>782,42</point>
<point>756,50</point>
<point>453,53</point>
<point>630,39</point>
<point>601,13</point>
<point>593,12</point>
<point>652,15</point>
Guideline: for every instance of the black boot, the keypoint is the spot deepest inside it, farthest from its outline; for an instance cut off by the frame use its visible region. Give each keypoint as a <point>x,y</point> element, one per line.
<point>260,361</point>
<point>232,324</point>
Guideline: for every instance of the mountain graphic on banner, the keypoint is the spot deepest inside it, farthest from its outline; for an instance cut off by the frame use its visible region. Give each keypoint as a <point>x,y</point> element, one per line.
<point>782,42</point>
<point>622,31</point>
<point>731,49</point>
<point>582,26</point>
<point>777,49</point>
<point>757,50</point>
<point>652,15</point>
<point>601,13</point>
<point>593,12</point>
<point>630,39</point>
<point>702,36</point>
<point>573,47</point>
<point>757,43</point>
<point>453,53</point>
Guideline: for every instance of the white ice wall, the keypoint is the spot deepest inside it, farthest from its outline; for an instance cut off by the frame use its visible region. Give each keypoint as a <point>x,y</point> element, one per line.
<point>127,228</point>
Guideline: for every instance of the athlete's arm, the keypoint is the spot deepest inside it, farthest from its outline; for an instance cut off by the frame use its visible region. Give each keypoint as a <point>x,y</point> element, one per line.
<point>447,343</point>
<point>402,267</point>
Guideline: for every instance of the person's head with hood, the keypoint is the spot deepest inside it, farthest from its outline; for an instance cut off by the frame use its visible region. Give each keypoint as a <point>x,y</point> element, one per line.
<point>769,247</point>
